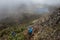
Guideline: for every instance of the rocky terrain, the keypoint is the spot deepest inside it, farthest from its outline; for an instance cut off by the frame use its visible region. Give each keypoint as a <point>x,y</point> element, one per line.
<point>47,27</point>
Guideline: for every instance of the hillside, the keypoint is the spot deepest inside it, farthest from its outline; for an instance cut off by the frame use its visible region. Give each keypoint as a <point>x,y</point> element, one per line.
<point>47,27</point>
<point>16,24</point>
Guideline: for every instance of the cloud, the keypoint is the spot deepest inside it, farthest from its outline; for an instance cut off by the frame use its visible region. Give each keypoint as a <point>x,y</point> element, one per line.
<point>49,2</point>
<point>35,1</point>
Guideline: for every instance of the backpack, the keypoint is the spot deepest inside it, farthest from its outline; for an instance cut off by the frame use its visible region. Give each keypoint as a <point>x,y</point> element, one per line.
<point>30,30</point>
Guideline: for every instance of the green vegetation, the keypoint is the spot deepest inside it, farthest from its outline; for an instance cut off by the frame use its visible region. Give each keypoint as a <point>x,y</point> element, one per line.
<point>9,26</point>
<point>18,29</point>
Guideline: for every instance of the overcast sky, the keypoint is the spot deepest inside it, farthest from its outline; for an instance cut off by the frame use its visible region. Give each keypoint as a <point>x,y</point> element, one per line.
<point>11,3</point>
<point>50,2</point>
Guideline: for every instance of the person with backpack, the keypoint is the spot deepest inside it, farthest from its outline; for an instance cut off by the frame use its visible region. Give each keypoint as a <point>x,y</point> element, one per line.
<point>30,31</point>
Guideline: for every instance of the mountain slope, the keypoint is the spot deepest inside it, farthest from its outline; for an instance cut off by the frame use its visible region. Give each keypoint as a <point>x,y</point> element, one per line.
<point>47,27</point>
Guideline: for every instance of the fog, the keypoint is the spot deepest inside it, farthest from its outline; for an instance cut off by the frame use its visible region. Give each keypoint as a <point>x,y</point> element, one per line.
<point>14,7</point>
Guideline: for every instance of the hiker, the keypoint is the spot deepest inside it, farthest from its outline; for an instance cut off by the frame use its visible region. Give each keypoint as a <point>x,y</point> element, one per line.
<point>30,30</point>
<point>13,34</point>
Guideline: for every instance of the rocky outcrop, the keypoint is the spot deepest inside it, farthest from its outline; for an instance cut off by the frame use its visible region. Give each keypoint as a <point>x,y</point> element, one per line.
<point>47,27</point>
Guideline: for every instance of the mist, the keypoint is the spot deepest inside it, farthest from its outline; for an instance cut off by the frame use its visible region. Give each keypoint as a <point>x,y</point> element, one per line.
<point>17,7</point>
